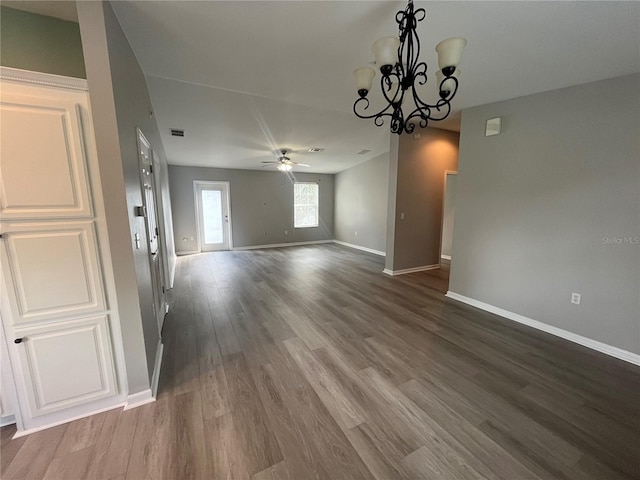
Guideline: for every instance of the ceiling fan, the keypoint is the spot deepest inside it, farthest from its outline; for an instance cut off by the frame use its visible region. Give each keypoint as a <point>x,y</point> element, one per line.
<point>284,163</point>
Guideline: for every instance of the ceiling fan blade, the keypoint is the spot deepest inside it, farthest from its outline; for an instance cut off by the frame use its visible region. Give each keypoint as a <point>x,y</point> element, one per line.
<point>301,164</point>
<point>270,163</point>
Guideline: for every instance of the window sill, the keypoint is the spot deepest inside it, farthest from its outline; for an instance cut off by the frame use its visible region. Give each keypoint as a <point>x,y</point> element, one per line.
<point>306,226</point>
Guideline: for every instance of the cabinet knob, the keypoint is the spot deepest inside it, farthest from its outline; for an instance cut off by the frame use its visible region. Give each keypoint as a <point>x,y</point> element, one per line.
<point>18,340</point>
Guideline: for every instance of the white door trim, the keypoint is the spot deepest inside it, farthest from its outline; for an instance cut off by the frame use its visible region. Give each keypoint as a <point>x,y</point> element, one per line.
<point>201,183</point>
<point>444,195</point>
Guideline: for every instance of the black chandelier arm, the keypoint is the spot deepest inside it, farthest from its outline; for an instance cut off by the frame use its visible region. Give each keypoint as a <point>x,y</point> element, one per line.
<point>420,78</point>
<point>421,104</point>
<point>396,121</point>
<point>385,85</point>
<point>420,71</point>
<point>409,127</point>
<point>441,102</point>
<point>396,117</point>
<point>452,94</point>
<point>363,103</point>
<point>442,107</point>
<point>435,113</point>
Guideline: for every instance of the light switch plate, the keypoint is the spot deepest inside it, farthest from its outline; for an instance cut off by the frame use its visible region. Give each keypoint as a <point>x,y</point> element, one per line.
<point>494,126</point>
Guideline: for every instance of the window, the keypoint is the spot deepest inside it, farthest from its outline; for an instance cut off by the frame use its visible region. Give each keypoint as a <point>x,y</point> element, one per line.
<point>305,205</point>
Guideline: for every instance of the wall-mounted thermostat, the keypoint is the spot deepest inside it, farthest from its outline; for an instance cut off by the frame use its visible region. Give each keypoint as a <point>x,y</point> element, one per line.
<point>493,126</point>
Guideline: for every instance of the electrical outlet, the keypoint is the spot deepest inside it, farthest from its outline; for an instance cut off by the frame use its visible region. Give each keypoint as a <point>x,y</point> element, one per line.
<point>402,216</point>
<point>356,234</point>
<point>286,232</point>
<point>576,298</point>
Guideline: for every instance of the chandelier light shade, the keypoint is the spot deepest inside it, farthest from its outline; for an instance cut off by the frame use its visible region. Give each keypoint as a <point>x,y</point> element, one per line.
<point>364,79</point>
<point>398,59</point>
<point>450,52</point>
<point>385,52</point>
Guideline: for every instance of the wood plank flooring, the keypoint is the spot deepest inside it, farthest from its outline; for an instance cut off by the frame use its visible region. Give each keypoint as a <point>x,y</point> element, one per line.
<point>308,363</point>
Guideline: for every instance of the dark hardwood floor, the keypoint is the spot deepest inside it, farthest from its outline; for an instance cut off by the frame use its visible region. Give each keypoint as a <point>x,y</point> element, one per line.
<point>309,363</point>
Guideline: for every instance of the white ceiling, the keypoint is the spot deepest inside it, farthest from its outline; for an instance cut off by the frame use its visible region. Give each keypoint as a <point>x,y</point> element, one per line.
<point>243,78</point>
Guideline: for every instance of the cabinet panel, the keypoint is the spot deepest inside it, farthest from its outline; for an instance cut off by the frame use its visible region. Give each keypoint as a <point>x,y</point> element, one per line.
<point>53,270</point>
<point>67,364</point>
<point>43,172</point>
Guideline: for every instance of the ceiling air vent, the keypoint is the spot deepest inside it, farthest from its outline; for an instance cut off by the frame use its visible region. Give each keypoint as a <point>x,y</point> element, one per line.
<point>177,132</point>
<point>363,152</point>
<point>315,150</point>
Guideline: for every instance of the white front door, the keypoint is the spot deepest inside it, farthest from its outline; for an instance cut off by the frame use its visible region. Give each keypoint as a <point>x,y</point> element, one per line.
<point>212,206</point>
<point>151,223</point>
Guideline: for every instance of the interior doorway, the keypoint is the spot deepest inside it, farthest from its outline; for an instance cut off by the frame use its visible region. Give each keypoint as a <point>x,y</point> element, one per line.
<point>213,215</point>
<point>448,214</point>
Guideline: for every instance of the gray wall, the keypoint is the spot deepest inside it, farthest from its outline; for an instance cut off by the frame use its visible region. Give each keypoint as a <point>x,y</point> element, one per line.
<point>419,195</point>
<point>261,206</point>
<point>120,103</point>
<point>40,43</point>
<point>361,204</point>
<point>539,208</point>
<point>449,211</point>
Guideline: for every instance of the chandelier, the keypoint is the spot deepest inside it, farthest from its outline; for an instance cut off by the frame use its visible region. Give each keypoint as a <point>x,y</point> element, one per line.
<point>398,61</point>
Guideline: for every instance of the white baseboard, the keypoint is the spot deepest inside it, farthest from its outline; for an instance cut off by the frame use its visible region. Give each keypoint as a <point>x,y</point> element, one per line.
<point>360,247</point>
<point>558,332</point>
<point>156,368</point>
<point>280,245</point>
<point>138,399</point>
<point>446,257</point>
<point>187,252</point>
<point>411,270</point>
<point>7,420</point>
<point>29,431</point>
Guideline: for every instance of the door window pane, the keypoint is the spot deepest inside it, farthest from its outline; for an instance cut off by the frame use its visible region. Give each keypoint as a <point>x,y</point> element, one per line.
<point>212,216</point>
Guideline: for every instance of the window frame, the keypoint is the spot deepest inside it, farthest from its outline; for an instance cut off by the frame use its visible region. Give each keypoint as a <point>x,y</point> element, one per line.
<point>317,205</point>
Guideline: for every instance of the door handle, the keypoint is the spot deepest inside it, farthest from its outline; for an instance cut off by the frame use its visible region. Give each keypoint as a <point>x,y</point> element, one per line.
<point>18,340</point>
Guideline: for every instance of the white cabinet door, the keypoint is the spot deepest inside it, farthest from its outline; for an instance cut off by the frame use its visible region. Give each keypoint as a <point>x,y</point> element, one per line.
<point>52,270</point>
<point>66,364</point>
<point>41,136</point>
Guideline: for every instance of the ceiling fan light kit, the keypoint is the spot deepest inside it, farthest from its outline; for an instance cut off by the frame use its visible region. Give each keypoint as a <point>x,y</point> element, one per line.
<point>401,71</point>
<point>284,163</point>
